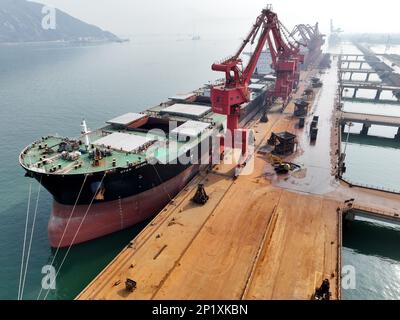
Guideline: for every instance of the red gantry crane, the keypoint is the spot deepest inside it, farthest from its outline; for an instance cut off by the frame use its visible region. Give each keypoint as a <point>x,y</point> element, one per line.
<point>312,38</point>
<point>227,98</point>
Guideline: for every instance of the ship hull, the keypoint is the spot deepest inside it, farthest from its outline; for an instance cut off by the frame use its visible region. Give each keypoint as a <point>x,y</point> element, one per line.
<point>70,226</point>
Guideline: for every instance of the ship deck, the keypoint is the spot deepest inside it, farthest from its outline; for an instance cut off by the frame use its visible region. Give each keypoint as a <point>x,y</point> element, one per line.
<point>84,165</point>
<point>33,156</point>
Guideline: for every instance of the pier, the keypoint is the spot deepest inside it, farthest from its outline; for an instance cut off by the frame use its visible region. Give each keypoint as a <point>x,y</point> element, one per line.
<point>371,119</point>
<point>352,71</point>
<point>374,86</point>
<point>367,120</point>
<point>279,241</point>
<point>360,64</point>
<point>272,244</point>
<point>233,247</point>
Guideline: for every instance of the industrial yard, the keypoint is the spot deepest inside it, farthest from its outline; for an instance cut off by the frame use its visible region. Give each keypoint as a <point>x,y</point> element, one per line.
<point>280,242</point>
<point>270,174</point>
<point>283,240</point>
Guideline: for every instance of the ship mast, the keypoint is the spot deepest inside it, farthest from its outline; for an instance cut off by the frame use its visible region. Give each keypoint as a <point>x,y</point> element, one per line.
<point>85,132</point>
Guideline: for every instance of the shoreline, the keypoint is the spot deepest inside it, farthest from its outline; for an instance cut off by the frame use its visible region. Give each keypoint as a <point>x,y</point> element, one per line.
<point>32,43</point>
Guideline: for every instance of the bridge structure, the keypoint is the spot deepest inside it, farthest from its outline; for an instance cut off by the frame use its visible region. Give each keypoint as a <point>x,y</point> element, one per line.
<point>378,87</point>
<point>352,71</point>
<point>359,61</point>
<point>367,120</point>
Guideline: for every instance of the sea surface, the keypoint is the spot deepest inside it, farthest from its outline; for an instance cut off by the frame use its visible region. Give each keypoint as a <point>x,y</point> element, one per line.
<point>48,89</point>
<point>372,161</point>
<point>369,246</point>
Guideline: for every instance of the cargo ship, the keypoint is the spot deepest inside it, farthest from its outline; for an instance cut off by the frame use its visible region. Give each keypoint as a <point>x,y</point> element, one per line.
<point>124,173</point>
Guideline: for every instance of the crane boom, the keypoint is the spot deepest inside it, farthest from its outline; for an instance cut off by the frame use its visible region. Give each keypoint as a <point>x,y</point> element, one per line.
<point>227,98</point>
<point>312,39</point>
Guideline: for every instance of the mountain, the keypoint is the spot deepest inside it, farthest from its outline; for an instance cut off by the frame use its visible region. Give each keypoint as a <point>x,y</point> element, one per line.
<point>21,21</point>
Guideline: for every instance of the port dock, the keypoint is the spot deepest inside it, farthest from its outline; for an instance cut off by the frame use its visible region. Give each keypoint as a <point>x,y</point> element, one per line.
<point>273,244</point>
<point>257,237</point>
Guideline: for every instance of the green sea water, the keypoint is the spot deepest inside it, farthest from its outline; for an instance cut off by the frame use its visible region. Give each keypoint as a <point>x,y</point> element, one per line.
<point>372,160</point>
<point>369,246</point>
<point>372,249</point>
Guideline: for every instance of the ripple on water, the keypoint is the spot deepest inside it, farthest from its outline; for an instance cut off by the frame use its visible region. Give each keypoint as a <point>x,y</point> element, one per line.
<point>371,247</point>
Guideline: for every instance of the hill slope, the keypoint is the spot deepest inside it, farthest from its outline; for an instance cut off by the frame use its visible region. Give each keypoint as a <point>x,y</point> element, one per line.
<point>21,21</point>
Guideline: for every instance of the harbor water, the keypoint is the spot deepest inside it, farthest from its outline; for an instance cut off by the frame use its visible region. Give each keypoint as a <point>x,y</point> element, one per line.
<point>371,247</point>
<point>372,161</point>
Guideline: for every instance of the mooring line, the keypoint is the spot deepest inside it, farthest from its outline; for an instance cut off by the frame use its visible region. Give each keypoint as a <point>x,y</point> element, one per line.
<point>31,238</point>
<point>162,183</point>
<point>74,238</point>
<point>65,231</point>
<point>24,245</point>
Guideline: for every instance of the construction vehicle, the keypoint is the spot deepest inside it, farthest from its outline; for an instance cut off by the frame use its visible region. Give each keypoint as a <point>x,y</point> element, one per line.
<point>281,167</point>
<point>272,159</point>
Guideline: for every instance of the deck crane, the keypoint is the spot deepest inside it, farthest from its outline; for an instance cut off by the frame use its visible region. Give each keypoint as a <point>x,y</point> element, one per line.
<point>227,97</point>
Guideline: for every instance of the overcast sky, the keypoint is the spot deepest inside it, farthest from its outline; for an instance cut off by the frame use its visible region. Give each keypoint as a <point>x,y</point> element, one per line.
<point>233,17</point>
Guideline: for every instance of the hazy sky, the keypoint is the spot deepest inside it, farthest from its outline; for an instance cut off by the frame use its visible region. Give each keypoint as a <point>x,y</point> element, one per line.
<point>233,17</point>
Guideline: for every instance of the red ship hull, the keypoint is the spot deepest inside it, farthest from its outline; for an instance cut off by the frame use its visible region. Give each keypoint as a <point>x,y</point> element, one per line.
<point>102,219</point>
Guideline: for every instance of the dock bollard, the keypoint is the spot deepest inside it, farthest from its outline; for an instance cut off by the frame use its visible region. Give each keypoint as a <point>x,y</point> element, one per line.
<point>130,285</point>
<point>201,196</point>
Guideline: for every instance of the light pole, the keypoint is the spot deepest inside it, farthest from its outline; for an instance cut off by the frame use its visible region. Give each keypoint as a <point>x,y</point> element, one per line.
<point>349,124</point>
<point>342,158</point>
